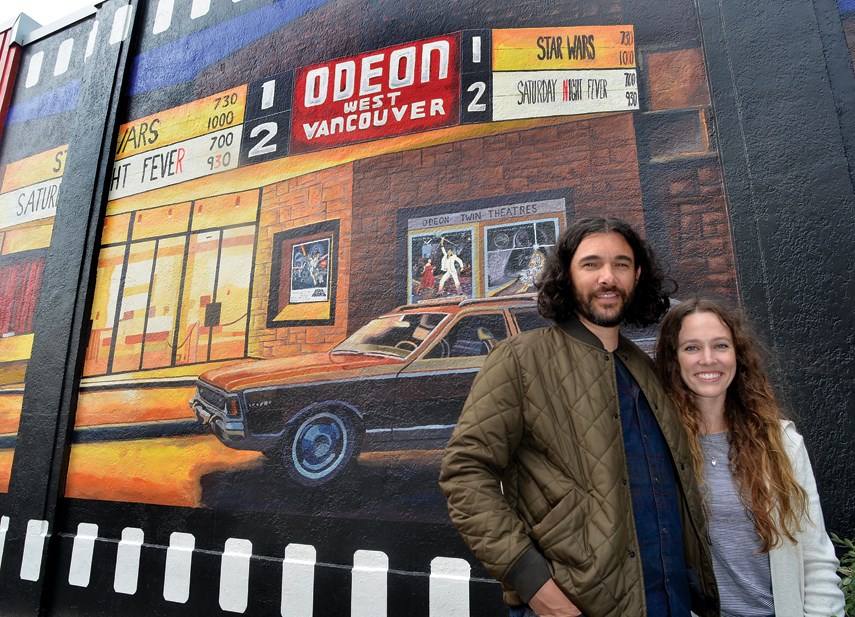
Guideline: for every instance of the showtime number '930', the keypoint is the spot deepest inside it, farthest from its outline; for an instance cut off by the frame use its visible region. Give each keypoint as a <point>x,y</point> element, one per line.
<point>219,161</point>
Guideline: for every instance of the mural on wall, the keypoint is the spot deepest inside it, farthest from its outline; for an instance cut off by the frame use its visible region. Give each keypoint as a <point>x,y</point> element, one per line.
<point>34,150</point>
<point>318,217</point>
<point>439,266</point>
<point>318,250</point>
<point>28,196</point>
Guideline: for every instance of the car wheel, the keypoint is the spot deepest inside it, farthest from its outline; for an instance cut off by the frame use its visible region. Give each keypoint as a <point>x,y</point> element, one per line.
<point>320,446</point>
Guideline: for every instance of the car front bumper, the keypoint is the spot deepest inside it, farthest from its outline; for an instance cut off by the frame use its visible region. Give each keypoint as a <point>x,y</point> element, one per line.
<point>231,431</point>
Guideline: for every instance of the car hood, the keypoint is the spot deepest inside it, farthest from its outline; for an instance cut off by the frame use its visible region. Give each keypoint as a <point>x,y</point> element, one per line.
<point>308,368</point>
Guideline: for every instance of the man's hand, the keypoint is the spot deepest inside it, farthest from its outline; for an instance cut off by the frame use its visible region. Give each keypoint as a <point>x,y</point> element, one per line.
<point>550,601</point>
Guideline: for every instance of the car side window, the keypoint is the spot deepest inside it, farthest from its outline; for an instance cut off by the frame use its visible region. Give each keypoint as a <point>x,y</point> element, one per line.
<point>473,335</point>
<point>530,319</point>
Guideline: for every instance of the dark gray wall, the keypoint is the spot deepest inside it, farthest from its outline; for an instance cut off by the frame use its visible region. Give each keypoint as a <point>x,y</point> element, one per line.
<point>782,92</point>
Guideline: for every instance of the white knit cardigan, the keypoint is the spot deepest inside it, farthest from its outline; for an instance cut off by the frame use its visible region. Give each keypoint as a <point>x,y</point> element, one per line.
<point>804,574</point>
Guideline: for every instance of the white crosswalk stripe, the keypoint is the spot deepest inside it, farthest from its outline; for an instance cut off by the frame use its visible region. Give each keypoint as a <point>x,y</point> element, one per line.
<point>234,575</point>
<point>34,546</point>
<point>179,561</point>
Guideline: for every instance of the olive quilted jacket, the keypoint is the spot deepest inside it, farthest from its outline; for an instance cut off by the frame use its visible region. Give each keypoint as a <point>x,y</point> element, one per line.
<point>536,481</point>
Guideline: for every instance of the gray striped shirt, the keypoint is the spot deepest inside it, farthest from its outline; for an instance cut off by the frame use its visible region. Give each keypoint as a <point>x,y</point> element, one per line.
<point>743,575</point>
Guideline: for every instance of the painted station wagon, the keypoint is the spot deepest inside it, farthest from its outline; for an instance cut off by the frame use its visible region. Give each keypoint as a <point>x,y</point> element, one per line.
<point>397,383</point>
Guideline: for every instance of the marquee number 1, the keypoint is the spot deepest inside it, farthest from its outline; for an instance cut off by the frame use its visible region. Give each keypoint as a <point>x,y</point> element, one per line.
<point>268,93</point>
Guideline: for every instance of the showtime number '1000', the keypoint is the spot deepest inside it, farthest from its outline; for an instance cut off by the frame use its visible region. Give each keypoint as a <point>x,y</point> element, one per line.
<point>221,120</point>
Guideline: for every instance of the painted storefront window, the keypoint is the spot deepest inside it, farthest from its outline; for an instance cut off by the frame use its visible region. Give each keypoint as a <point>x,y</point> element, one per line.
<point>501,254</point>
<point>442,264</point>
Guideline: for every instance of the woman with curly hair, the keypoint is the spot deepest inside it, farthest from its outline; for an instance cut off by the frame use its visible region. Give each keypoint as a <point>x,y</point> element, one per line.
<point>771,554</point>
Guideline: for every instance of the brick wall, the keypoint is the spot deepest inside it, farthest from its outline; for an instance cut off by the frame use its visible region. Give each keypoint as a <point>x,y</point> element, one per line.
<point>681,174</point>
<point>309,199</point>
<point>691,199</point>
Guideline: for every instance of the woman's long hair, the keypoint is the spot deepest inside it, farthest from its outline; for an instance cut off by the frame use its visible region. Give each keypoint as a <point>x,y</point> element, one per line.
<point>758,460</point>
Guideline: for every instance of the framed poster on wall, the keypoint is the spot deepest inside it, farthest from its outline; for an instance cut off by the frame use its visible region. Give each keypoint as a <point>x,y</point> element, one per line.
<point>302,277</point>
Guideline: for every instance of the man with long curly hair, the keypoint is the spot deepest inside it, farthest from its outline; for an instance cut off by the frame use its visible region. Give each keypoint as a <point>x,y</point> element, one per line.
<point>568,474</point>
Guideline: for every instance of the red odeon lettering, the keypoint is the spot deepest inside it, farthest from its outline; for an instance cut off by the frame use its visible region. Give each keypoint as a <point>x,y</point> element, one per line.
<point>395,69</point>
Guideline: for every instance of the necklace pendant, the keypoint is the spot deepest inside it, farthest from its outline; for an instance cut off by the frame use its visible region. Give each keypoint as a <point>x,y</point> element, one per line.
<point>713,461</point>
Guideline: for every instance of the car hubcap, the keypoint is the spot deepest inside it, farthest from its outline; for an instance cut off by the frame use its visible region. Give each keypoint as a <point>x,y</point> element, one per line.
<point>320,445</point>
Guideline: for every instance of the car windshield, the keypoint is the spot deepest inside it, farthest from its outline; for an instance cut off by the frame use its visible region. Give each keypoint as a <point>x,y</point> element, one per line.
<point>394,336</point>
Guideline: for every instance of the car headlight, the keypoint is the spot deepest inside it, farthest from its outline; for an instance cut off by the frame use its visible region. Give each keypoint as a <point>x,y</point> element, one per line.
<point>232,410</point>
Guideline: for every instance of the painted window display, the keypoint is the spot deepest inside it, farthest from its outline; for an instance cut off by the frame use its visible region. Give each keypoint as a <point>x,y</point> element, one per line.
<point>511,237</point>
<point>170,290</point>
<point>310,272</point>
<point>19,284</point>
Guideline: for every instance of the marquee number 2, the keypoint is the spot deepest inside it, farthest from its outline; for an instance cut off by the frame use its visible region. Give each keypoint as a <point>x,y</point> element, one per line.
<point>263,146</point>
<point>479,88</point>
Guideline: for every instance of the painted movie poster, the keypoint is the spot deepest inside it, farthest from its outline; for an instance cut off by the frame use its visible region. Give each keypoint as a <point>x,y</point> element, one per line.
<point>310,272</point>
<point>442,265</point>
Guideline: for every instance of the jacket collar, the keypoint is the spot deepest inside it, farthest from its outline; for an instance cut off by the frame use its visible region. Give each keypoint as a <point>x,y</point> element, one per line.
<point>574,327</point>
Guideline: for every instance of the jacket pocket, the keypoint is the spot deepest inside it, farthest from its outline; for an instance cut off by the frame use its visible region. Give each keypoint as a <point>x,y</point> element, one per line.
<point>562,535</point>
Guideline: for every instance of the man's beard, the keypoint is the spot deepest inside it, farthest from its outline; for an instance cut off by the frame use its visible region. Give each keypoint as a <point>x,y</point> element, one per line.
<point>585,307</point>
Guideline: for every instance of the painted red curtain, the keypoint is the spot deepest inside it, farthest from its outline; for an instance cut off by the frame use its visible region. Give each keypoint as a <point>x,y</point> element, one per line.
<point>19,290</point>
